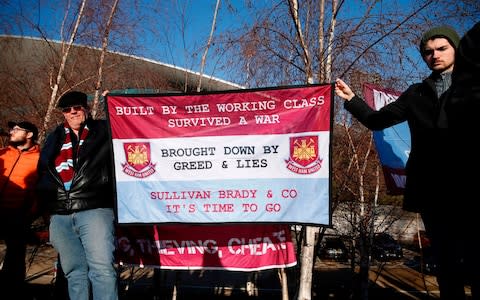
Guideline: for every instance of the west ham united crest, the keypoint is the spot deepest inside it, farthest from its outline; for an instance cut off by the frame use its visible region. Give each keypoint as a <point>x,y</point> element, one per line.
<point>139,162</point>
<point>304,155</point>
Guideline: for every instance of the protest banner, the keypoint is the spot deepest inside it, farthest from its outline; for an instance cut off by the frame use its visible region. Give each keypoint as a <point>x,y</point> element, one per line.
<point>243,156</point>
<point>393,143</point>
<point>207,247</point>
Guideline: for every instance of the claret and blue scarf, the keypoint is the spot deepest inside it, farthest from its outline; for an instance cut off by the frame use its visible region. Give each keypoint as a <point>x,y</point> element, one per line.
<point>64,161</point>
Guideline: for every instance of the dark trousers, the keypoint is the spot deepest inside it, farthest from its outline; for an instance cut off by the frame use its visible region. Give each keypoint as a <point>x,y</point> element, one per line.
<point>13,231</point>
<point>453,238</point>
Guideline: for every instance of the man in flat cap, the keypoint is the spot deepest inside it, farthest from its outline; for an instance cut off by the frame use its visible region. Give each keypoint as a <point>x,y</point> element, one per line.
<point>18,177</point>
<point>422,105</point>
<point>76,185</point>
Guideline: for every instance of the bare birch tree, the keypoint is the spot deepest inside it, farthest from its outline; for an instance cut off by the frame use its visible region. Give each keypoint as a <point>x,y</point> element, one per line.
<point>209,42</point>
<point>98,85</point>
<point>366,215</point>
<point>53,98</point>
<point>293,5</point>
<point>270,47</point>
<point>307,256</point>
<point>278,49</point>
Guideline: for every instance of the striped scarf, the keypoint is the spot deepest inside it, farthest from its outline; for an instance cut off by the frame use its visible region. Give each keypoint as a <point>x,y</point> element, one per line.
<point>64,160</point>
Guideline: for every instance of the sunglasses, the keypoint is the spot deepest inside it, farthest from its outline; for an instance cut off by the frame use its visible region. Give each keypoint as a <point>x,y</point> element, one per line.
<point>15,129</point>
<point>69,109</point>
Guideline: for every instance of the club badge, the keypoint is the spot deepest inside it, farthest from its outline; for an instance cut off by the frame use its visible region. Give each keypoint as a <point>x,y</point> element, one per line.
<point>138,162</point>
<point>304,155</point>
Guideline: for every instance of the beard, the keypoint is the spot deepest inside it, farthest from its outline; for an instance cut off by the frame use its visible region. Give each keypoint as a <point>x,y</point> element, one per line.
<point>17,143</point>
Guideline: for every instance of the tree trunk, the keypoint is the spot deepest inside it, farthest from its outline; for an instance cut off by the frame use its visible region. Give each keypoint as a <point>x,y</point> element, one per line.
<point>204,57</point>
<point>98,85</point>
<point>53,98</point>
<point>307,264</point>
<point>293,5</point>
<point>331,34</point>
<point>284,283</point>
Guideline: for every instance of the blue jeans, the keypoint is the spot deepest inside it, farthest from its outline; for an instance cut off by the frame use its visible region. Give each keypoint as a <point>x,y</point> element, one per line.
<point>85,241</point>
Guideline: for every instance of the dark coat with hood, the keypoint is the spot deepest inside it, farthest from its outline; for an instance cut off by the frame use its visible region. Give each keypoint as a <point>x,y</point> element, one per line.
<point>420,106</point>
<point>92,185</point>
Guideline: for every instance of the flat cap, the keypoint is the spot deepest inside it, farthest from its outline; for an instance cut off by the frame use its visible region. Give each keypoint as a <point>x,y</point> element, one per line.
<point>72,98</point>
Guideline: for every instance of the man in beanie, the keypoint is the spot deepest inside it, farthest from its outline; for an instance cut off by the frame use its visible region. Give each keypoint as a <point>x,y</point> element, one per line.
<point>427,178</point>
<point>76,186</point>
<point>18,177</point>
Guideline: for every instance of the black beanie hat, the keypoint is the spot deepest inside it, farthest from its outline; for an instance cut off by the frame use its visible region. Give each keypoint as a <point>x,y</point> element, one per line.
<point>72,98</point>
<point>441,31</point>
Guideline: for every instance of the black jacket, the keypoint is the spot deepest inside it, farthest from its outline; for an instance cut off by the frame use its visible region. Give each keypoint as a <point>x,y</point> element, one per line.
<point>424,112</point>
<point>463,103</point>
<point>462,108</point>
<point>92,184</point>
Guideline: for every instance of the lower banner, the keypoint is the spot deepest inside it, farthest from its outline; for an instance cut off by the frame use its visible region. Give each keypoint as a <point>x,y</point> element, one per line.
<point>208,247</point>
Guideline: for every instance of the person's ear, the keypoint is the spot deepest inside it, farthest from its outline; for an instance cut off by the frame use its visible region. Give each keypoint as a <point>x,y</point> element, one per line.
<point>29,135</point>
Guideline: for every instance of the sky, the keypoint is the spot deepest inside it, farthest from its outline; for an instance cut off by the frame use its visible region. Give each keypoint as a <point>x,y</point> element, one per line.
<point>160,36</point>
<point>163,42</point>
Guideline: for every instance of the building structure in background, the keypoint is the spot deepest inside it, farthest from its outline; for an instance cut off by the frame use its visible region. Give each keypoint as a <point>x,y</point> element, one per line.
<point>29,67</point>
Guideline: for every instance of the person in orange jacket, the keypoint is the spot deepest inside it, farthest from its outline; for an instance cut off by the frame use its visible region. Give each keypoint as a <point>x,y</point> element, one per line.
<point>18,178</point>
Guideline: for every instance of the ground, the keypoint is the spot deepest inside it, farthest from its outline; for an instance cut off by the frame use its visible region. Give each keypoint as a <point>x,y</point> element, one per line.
<point>398,280</point>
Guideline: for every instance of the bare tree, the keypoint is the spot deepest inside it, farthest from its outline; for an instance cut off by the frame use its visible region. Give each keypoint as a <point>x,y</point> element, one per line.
<point>53,98</point>
<point>98,85</point>
<point>366,216</point>
<point>289,42</point>
<point>209,42</point>
<point>373,38</point>
<point>293,5</point>
<point>371,35</point>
